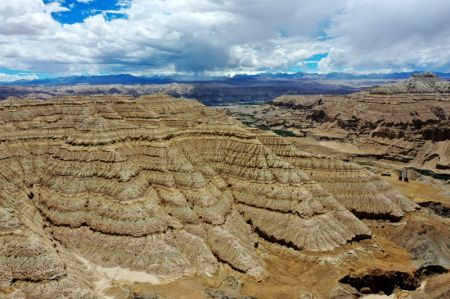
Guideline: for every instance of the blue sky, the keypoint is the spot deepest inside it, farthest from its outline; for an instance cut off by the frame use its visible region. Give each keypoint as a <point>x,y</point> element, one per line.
<point>308,65</point>
<point>78,11</point>
<point>49,38</point>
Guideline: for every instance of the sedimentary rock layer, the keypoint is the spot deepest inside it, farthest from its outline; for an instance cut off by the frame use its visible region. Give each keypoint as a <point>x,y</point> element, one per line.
<point>407,121</point>
<point>164,186</point>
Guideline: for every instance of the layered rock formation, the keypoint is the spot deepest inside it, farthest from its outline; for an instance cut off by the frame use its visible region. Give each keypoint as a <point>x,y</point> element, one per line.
<point>161,186</point>
<point>408,121</point>
<point>417,84</point>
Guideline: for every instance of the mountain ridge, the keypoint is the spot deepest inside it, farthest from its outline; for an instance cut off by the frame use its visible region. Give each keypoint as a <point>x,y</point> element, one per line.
<point>174,78</point>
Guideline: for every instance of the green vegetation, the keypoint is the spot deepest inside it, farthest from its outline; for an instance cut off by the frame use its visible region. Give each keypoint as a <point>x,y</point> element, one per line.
<point>285,133</point>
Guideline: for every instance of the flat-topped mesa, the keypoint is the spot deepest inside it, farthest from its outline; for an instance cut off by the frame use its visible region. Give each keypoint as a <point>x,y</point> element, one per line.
<point>164,186</point>
<point>418,83</point>
<point>298,102</point>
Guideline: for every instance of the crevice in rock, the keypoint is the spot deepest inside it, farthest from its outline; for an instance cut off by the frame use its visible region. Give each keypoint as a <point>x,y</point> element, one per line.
<point>376,216</point>
<point>360,237</point>
<point>437,208</point>
<point>227,263</point>
<point>39,280</point>
<point>429,270</point>
<point>292,212</point>
<point>272,239</point>
<point>382,281</point>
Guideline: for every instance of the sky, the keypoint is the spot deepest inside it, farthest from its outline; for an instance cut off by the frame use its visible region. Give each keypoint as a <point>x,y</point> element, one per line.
<point>51,38</point>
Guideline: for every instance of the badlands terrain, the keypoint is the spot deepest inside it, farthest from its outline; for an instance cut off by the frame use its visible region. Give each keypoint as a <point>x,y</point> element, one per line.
<point>163,197</point>
<point>407,123</point>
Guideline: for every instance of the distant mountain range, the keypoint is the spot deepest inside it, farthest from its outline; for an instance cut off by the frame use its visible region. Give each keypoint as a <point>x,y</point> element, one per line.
<point>338,76</point>
<point>98,79</point>
<point>237,79</point>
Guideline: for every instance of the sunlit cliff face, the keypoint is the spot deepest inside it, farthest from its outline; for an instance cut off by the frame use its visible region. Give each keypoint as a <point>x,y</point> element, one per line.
<point>164,186</point>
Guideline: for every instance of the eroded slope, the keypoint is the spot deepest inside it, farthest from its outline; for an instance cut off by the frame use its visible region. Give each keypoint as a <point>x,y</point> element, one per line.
<point>161,186</point>
<point>407,121</point>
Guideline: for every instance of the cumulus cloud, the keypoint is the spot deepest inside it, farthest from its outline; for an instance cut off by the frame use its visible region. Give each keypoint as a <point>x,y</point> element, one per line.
<point>213,36</point>
<point>277,53</point>
<point>25,18</point>
<point>390,35</point>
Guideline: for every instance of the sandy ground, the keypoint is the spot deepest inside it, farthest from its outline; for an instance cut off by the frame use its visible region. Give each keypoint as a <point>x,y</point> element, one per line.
<point>108,278</point>
<point>292,275</point>
<point>420,191</point>
<point>328,148</point>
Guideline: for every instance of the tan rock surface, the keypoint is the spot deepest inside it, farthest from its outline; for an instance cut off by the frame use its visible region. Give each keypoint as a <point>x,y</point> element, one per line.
<point>164,186</point>
<point>407,121</point>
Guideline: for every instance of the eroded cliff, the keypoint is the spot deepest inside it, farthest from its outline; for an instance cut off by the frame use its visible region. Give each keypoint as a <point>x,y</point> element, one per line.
<point>408,121</point>
<point>162,186</point>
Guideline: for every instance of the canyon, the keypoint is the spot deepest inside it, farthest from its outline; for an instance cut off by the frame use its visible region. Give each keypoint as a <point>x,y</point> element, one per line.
<point>406,122</point>
<point>163,197</point>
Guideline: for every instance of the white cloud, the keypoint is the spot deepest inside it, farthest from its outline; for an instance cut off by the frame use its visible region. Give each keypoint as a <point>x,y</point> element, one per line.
<point>277,53</point>
<point>393,35</point>
<point>228,36</point>
<point>24,18</point>
<point>11,78</point>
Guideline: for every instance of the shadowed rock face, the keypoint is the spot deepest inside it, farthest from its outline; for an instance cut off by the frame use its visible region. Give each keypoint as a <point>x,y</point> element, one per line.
<point>164,186</point>
<point>437,208</point>
<point>381,281</point>
<point>407,121</point>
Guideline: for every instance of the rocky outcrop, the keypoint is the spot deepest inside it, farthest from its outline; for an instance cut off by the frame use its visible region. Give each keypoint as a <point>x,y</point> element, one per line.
<point>162,186</point>
<point>407,121</point>
<point>418,83</point>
